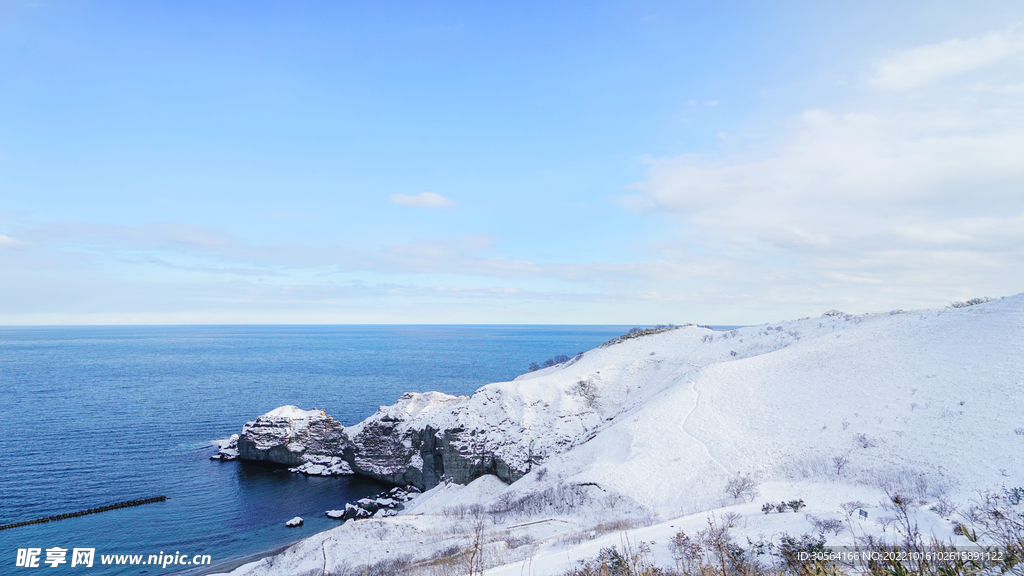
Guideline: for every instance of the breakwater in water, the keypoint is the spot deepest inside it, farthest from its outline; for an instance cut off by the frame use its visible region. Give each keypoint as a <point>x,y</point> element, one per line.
<point>127,504</point>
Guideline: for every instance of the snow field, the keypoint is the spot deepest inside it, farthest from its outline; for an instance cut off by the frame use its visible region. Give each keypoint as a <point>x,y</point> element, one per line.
<point>645,434</point>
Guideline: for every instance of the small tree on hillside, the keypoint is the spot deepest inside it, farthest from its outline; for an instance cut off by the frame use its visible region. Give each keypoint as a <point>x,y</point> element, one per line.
<point>742,486</point>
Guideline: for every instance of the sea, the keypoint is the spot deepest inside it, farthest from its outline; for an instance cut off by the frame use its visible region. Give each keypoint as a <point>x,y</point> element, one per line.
<point>92,416</point>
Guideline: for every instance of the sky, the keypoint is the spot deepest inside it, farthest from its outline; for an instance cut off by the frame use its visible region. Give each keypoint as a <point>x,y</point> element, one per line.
<point>598,162</point>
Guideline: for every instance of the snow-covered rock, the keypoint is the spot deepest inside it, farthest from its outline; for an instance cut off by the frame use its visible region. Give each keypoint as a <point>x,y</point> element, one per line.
<point>385,504</point>
<point>294,437</point>
<point>227,448</point>
<point>421,439</point>
<point>294,522</point>
<point>320,465</point>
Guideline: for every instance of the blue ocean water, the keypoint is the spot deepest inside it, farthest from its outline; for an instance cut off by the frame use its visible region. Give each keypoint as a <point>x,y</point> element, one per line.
<point>91,416</point>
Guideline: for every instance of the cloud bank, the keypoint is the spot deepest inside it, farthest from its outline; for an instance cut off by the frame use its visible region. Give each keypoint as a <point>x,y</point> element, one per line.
<point>916,191</point>
<point>926,64</point>
<point>423,200</point>
<point>8,242</point>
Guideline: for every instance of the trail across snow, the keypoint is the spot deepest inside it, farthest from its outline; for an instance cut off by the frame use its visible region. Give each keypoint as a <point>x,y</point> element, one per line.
<point>696,402</point>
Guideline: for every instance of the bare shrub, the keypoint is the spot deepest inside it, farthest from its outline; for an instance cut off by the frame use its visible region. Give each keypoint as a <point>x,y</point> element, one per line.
<point>460,511</point>
<point>610,562</point>
<point>731,519</point>
<point>616,526</point>
<point>639,332</point>
<point>885,521</point>
<point>558,499</point>
<point>573,537</point>
<point>905,525</point>
<point>823,525</point>
<point>852,506</point>
<point>400,564</point>
<point>863,441</point>
<point>908,482</point>
<point>449,552</point>
<point>518,541</point>
<point>586,390</point>
<point>742,485</point>
<point>717,540</point>
<point>999,518</point>
<point>473,558</point>
<point>944,508</point>
<point>795,551</point>
<point>840,462</point>
<point>998,534</point>
<point>971,302</point>
<point>687,552</point>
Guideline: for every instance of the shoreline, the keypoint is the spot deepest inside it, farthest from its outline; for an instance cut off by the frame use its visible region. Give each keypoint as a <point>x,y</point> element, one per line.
<point>231,564</point>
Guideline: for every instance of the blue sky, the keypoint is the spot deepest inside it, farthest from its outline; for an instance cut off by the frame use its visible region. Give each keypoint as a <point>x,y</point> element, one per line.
<point>594,163</point>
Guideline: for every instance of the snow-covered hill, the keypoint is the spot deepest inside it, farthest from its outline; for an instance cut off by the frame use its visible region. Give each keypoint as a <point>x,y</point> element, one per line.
<point>646,433</point>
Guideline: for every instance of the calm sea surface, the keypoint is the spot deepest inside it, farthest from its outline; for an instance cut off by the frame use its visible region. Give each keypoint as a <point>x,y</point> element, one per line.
<point>91,416</point>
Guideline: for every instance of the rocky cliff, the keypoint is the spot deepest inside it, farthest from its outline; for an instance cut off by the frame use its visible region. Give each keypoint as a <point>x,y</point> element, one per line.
<point>415,442</point>
<point>292,437</point>
<point>503,429</point>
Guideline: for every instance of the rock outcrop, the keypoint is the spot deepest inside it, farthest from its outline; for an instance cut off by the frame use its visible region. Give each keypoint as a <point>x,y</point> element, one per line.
<point>292,437</point>
<point>383,505</point>
<point>418,441</point>
<point>227,449</point>
<point>504,429</point>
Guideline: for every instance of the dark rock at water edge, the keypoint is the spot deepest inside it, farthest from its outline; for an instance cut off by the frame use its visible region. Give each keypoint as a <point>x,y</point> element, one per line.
<point>395,445</point>
<point>383,505</point>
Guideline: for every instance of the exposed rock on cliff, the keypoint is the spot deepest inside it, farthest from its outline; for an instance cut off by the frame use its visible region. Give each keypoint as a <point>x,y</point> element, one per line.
<point>227,449</point>
<point>426,437</point>
<point>291,436</point>
<point>384,504</point>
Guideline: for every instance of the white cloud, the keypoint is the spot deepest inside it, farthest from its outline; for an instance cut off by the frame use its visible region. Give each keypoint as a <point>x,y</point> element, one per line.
<point>890,195</point>
<point>8,242</point>
<point>423,200</point>
<point>926,64</point>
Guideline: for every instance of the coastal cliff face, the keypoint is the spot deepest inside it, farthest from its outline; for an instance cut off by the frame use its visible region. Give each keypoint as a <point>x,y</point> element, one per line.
<point>425,438</point>
<point>290,436</point>
<point>417,441</point>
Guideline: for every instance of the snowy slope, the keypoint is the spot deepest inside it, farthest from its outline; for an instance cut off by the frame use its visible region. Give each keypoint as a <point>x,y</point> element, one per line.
<point>651,429</point>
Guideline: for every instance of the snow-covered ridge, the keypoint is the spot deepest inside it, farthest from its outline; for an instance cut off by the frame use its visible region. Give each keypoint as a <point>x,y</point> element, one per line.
<point>652,428</point>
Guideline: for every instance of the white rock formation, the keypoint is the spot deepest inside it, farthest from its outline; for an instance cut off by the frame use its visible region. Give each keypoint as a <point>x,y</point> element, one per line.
<point>227,448</point>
